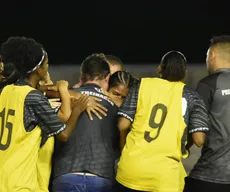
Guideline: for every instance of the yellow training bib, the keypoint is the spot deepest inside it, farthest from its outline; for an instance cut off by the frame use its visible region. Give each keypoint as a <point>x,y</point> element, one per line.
<point>18,148</point>
<point>151,158</point>
<point>44,164</point>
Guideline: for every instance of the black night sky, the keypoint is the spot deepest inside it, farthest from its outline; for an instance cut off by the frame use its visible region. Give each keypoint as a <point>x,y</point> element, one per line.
<point>135,31</point>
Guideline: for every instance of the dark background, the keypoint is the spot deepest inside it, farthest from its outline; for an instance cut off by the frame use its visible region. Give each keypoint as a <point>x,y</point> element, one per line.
<point>135,31</point>
<point>138,32</point>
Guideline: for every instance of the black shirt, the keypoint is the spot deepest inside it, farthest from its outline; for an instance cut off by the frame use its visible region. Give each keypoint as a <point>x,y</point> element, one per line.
<point>193,109</point>
<point>94,145</point>
<point>214,163</point>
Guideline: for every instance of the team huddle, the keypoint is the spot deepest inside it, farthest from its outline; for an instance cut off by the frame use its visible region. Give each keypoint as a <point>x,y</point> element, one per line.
<point>112,132</point>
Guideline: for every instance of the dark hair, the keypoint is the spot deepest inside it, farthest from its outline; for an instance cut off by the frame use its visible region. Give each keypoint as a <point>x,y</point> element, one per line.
<point>11,75</point>
<point>221,39</point>
<point>121,77</point>
<point>24,53</point>
<point>113,60</point>
<point>173,65</point>
<point>95,67</point>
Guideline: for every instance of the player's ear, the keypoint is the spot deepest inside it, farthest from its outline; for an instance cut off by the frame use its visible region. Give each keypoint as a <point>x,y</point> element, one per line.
<point>185,76</point>
<point>107,78</point>
<point>159,69</point>
<point>212,53</point>
<point>80,79</point>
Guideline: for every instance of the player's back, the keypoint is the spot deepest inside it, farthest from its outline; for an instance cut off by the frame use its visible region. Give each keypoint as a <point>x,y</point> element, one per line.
<point>152,153</point>
<point>214,163</point>
<point>18,148</point>
<point>93,146</point>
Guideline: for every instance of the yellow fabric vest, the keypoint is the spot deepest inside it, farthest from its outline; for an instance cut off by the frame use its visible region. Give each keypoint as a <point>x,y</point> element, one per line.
<point>151,158</point>
<point>44,164</point>
<point>24,166</point>
<point>18,148</point>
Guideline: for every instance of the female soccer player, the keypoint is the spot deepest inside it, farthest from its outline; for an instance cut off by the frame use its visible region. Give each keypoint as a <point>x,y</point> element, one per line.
<point>27,117</point>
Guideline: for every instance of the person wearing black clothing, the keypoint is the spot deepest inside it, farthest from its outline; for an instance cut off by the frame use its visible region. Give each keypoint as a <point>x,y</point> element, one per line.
<point>115,64</point>
<point>212,171</point>
<point>86,161</point>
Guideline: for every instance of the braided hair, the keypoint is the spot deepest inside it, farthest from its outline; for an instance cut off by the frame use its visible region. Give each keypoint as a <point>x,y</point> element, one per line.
<point>121,77</point>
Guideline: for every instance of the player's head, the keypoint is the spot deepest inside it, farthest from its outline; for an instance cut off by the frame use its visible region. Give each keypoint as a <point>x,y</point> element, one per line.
<point>218,54</point>
<point>1,69</point>
<point>119,83</point>
<point>95,68</point>
<point>173,66</point>
<point>115,63</point>
<point>28,56</point>
<point>9,75</point>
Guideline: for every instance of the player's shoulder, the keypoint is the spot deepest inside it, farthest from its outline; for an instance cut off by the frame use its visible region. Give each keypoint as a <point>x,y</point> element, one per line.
<point>209,80</point>
<point>136,84</point>
<point>190,94</point>
<point>95,91</point>
<point>35,96</point>
<point>192,97</point>
<point>88,87</point>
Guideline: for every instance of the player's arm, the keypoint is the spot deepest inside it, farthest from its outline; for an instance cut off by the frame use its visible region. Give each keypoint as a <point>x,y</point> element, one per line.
<point>198,122</point>
<point>78,106</point>
<point>77,85</point>
<point>45,88</point>
<point>52,91</point>
<point>123,125</point>
<point>65,109</point>
<point>92,104</point>
<point>47,118</point>
<point>126,113</point>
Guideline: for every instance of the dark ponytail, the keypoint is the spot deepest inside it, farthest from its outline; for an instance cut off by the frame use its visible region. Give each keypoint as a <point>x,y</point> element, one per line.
<point>173,66</point>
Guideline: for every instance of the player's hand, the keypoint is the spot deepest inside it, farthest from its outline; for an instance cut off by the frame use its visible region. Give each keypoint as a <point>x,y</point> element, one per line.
<point>77,85</point>
<point>52,88</point>
<point>94,107</point>
<point>46,81</point>
<point>55,103</point>
<point>60,85</point>
<point>80,103</point>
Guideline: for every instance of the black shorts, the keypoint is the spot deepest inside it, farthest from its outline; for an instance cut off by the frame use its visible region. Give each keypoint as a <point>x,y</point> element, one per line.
<point>195,185</point>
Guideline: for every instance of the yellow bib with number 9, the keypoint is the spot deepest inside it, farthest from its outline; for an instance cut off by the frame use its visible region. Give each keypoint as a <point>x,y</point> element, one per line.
<point>151,158</point>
